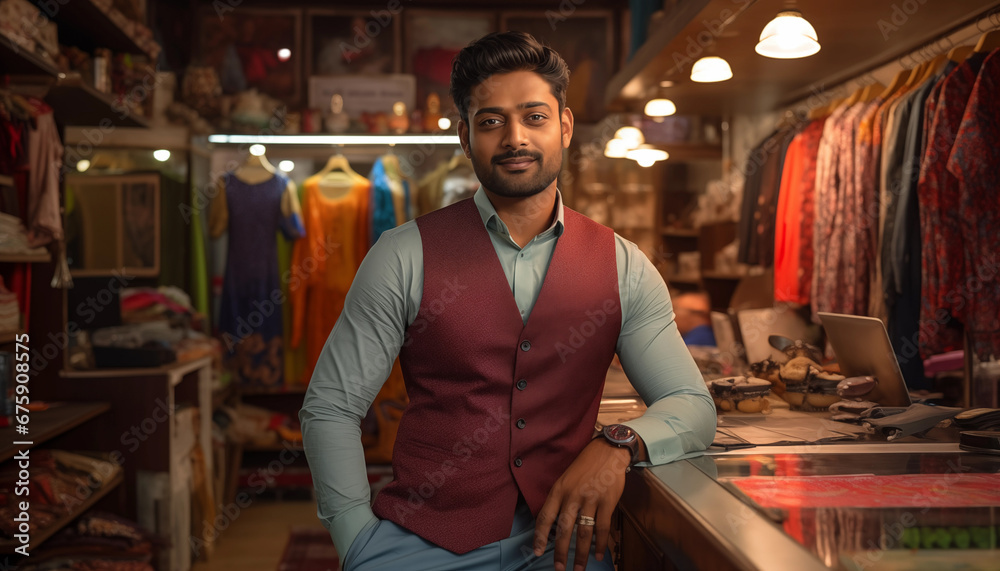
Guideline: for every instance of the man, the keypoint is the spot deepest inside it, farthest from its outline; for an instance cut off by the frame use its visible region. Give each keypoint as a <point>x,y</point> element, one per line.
<point>506,310</point>
<point>693,315</point>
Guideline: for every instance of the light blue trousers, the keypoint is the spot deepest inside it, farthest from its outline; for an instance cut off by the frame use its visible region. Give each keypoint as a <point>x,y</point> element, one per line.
<point>385,546</point>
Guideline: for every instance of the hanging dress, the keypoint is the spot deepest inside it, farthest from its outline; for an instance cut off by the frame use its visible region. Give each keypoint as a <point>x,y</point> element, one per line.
<point>250,316</point>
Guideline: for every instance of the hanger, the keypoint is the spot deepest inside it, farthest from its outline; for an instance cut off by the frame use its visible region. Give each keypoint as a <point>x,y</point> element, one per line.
<point>898,81</point>
<point>958,54</point>
<point>871,91</point>
<point>338,165</point>
<point>988,41</point>
<point>255,169</point>
<point>933,67</point>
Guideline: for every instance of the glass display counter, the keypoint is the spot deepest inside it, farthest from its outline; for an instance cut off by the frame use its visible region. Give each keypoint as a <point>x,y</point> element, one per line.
<point>880,506</point>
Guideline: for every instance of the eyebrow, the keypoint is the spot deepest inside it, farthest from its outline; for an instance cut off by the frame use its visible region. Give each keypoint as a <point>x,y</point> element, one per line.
<point>526,105</point>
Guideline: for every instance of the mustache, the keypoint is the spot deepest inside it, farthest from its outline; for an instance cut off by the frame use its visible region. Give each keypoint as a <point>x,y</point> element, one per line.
<point>516,154</point>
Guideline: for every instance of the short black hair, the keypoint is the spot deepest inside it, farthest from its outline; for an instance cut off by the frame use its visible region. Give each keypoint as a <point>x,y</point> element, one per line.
<point>504,52</point>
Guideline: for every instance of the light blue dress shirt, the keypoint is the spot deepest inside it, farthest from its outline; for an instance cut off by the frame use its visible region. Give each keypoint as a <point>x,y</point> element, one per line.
<point>384,300</point>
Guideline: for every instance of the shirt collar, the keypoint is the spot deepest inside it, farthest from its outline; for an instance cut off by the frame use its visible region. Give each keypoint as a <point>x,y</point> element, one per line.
<point>492,220</point>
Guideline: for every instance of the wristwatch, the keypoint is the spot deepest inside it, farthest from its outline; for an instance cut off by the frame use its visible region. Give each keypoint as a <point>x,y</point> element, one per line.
<point>623,437</point>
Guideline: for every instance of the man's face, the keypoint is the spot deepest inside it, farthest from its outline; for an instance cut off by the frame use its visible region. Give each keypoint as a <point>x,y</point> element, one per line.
<point>515,134</point>
<point>690,311</point>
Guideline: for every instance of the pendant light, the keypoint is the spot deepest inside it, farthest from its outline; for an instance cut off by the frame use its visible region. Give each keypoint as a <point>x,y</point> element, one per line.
<point>632,136</point>
<point>711,69</point>
<point>659,108</point>
<point>647,155</point>
<point>788,36</point>
<point>616,149</point>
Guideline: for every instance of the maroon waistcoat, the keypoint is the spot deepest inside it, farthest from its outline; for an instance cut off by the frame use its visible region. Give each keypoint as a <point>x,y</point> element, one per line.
<point>497,407</point>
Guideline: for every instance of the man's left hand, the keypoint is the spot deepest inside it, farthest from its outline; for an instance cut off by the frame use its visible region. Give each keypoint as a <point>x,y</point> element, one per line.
<point>591,486</point>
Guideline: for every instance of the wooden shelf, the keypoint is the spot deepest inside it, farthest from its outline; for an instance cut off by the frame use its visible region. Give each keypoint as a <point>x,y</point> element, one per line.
<point>77,103</point>
<point>15,60</point>
<point>47,424</point>
<point>39,537</point>
<point>10,336</point>
<point>81,23</point>
<point>25,258</point>
<point>176,370</point>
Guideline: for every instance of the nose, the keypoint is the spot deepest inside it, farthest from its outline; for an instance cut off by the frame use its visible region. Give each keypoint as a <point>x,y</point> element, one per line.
<point>515,136</point>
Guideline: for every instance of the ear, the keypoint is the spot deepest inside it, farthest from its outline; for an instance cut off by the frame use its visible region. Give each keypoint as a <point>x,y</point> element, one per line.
<point>567,127</point>
<point>463,138</point>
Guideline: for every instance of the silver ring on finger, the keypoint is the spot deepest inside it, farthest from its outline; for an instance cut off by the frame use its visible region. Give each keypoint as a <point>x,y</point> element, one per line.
<point>586,520</point>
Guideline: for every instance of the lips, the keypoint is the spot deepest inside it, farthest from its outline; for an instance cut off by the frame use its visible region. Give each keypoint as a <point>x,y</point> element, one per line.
<point>518,163</point>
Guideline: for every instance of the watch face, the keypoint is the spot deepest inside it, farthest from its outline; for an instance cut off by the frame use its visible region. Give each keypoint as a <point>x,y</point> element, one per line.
<point>619,433</point>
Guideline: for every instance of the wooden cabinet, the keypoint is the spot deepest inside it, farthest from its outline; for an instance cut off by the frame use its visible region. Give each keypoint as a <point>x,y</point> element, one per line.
<point>45,427</point>
<point>146,427</point>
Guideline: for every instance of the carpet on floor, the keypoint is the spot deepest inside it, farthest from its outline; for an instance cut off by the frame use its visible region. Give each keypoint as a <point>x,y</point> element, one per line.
<point>309,549</point>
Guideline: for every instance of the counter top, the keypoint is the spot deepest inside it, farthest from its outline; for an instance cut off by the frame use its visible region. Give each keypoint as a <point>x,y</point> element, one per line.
<point>836,506</point>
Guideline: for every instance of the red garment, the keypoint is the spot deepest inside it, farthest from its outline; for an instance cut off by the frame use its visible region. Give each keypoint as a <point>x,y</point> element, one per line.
<point>474,435</point>
<point>942,263</point>
<point>793,233</point>
<point>974,159</point>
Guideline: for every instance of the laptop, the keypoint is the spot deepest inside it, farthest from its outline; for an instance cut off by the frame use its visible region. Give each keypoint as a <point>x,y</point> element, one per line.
<point>863,348</point>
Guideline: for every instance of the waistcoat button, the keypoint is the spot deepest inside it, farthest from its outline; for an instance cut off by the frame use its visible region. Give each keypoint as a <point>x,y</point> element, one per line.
<point>522,384</point>
<point>525,345</point>
<point>520,423</point>
<point>517,462</point>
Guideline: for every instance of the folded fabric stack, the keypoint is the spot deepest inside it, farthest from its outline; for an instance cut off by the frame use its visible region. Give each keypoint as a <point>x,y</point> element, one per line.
<point>144,304</point>
<point>96,541</point>
<point>10,312</point>
<point>14,238</point>
<point>60,481</point>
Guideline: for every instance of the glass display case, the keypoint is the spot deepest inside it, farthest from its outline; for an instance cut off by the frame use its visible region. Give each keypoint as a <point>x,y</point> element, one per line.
<point>883,511</point>
<point>871,506</point>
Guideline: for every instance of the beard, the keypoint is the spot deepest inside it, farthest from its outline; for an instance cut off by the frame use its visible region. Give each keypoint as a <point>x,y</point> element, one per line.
<point>520,184</point>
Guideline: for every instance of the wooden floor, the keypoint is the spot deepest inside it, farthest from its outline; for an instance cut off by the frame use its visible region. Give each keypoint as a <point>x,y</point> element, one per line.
<point>255,540</point>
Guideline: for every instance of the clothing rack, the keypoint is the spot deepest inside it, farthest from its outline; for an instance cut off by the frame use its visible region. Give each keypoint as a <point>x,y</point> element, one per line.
<point>884,72</point>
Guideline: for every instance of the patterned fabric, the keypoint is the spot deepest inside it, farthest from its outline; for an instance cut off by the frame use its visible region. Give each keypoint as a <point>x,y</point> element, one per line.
<point>973,161</point>
<point>836,278</point>
<point>824,272</point>
<point>942,264</point>
<point>793,233</point>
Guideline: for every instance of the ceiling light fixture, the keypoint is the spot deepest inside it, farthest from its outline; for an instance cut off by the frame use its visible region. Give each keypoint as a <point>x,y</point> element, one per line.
<point>82,165</point>
<point>286,165</point>
<point>711,69</point>
<point>257,150</point>
<point>660,107</point>
<point>647,155</point>
<point>631,135</point>
<point>161,155</point>
<point>616,149</point>
<point>788,36</point>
